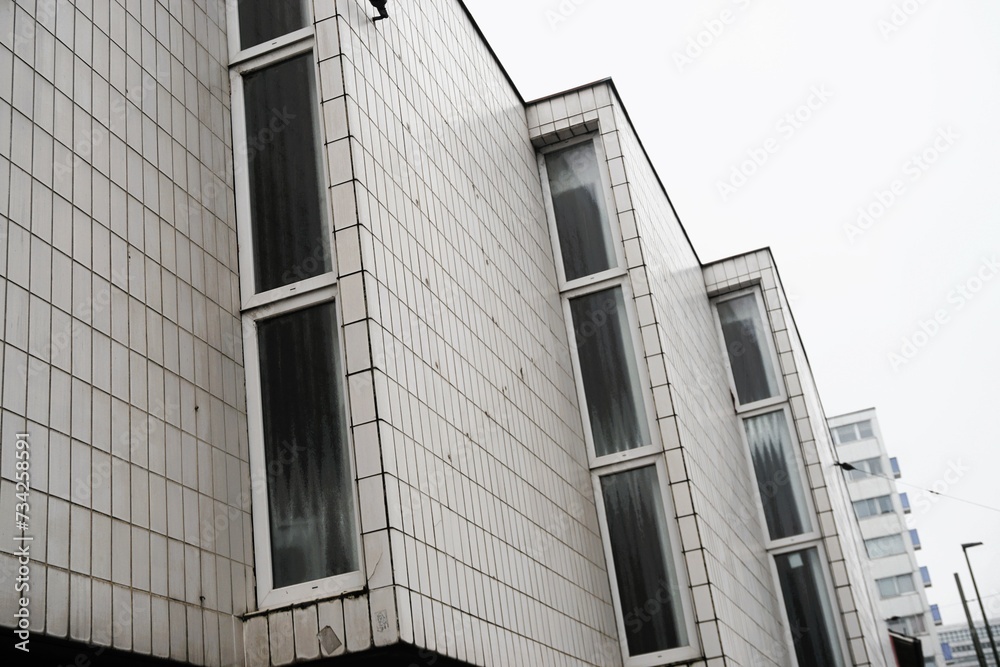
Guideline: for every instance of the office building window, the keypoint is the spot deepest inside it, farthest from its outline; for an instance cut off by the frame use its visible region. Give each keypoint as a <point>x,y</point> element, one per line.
<point>305,513</point>
<point>608,369</point>
<point>873,506</point>
<point>909,625</point>
<point>638,525</point>
<point>852,432</point>
<point>807,605</point>
<point>865,469</point>
<point>290,231</point>
<point>263,20</point>
<point>891,587</point>
<point>308,463</point>
<point>580,209</point>
<point>749,351</point>
<point>779,477</point>
<point>882,547</point>
<point>636,515</point>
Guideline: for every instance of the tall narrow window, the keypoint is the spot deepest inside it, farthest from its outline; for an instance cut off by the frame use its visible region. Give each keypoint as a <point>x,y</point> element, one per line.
<point>852,432</point>
<point>748,349</point>
<point>648,592</point>
<point>807,604</point>
<point>782,484</point>
<point>263,20</point>
<point>778,479</point>
<point>580,211</point>
<point>638,527</point>
<point>309,478</point>
<point>290,231</point>
<point>305,510</point>
<point>609,373</point>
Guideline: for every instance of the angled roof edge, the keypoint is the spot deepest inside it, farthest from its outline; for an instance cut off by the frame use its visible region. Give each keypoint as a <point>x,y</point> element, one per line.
<point>851,413</point>
<point>610,82</point>
<point>489,47</point>
<point>763,248</point>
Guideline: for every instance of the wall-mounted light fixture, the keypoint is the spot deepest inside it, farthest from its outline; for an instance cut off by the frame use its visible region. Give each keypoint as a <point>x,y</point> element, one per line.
<point>379,5</point>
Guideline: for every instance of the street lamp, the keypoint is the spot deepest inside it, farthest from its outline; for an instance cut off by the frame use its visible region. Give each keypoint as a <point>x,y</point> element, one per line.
<point>982,609</point>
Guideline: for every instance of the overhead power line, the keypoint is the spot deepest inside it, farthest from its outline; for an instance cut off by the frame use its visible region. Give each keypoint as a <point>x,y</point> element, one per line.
<point>847,466</point>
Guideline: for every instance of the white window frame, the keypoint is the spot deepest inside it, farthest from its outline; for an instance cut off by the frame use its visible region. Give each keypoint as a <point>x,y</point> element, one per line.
<point>814,532</point>
<point>237,54</point>
<point>892,505</point>
<point>831,592</point>
<point>267,595</point>
<point>692,650</point>
<point>258,307</point>
<point>908,622</point>
<point>886,537</point>
<point>864,473</point>
<point>895,578</point>
<point>250,298</point>
<point>772,350</point>
<point>855,426</point>
<point>646,393</point>
<point>618,278</point>
<point>621,268</point>
<point>804,541</point>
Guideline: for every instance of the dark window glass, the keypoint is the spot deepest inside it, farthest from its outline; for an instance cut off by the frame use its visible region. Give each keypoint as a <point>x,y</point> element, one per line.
<point>749,357</point>
<point>778,478</point>
<point>609,372</point>
<point>263,20</point>
<point>810,614</point>
<point>643,561</point>
<point>865,429</point>
<point>580,210</point>
<point>310,486</point>
<point>286,195</point>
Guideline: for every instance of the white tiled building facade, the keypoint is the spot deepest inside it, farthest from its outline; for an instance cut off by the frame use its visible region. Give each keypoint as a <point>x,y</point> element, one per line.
<point>329,347</point>
<point>890,543</point>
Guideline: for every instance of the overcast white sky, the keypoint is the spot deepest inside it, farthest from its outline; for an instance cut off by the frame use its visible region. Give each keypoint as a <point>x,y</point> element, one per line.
<point>885,89</point>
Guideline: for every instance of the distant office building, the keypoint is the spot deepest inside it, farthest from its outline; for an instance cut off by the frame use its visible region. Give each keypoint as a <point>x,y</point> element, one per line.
<point>958,647</point>
<point>898,580</point>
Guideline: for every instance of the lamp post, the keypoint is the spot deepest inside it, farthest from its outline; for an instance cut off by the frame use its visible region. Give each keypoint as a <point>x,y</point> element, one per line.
<point>972,626</point>
<point>982,609</point>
